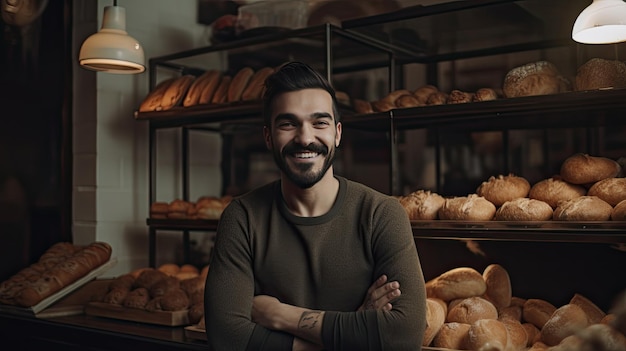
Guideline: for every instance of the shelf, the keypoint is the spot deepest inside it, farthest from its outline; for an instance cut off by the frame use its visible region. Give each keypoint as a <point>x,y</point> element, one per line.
<point>183,224</point>
<point>546,111</point>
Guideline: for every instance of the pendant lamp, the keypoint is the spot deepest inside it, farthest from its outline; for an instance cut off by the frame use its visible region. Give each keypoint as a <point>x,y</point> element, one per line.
<point>112,50</point>
<point>602,22</point>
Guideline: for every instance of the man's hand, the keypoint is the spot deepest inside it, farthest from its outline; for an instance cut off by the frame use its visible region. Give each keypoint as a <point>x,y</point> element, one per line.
<point>380,294</point>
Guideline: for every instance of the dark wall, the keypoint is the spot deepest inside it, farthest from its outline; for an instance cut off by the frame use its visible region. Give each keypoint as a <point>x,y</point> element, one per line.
<point>35,154</point>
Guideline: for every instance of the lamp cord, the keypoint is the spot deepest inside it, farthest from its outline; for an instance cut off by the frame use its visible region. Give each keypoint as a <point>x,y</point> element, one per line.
<point>114,2</point>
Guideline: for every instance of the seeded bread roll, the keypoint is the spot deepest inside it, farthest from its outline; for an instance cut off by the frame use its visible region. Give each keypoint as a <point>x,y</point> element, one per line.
<point>452,336</point>
<point>498,285</point>
<point>611,190</point>
<point>524,209</point>
<point>501,189</point>
<point>598,73</point>
<point>457,283</point>
<point>553,190</point>
<point>469,208</point>
<point>567,320</point>
<point>585,169</point>
<point>537,312</point>
<point>619,212</point>
<point>584,208</point>
<point>435,317</point>
<point>536,78</point>
<point>487,334</point>
<point>422,205</point>
<point>471,309</point>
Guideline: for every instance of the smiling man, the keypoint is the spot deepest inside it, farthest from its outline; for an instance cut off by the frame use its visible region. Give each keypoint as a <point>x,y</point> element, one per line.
<point>312,261</point>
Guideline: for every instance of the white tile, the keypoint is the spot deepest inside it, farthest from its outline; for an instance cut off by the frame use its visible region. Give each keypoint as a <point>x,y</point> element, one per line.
<point>84,170</point>
<point>84,204</point>
<point>84,138</point>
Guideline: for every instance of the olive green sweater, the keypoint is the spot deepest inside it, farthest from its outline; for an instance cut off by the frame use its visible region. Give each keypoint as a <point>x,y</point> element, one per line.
<point>323,263</point>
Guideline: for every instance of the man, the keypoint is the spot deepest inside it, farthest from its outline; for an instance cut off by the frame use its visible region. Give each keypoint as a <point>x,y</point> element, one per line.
<point>312,261</point>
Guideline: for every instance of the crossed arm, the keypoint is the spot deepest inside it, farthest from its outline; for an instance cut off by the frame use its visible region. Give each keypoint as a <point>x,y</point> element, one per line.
<point>305,324</point>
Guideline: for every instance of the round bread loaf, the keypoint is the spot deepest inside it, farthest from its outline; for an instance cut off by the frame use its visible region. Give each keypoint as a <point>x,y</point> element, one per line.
<point>553,190</point>
<point>583,208</point>
<point>535,78</point>
<point>452,336</point>
<point>524,209</point>
<point>422,204</point>
<point>585,169</point>
<point>468,208</point>
<point>457,283</point>
<point>565,321</point>
<point>487,334</point>
<point>435,317</point>
<point>422,93</point>
<point>485,94</point>
<point>611,190</point>
<point>518,338</point>
<point>537,312</point>
<point>471,309</point>
<point>619,212</point>
<point>459,97</point>
<point>599,73</point>
<point>501,189</point>
<point>594,313</point>
<point>498,285</point>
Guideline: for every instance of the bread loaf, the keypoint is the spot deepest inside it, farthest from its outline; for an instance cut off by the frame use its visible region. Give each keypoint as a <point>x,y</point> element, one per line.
<point>221,93</point>
<point>452,336</point>
<point>362,106</point>
<point>422,204</point>
<point>594,313</point>
<point>498,285</point>
<point>176,92</point>
<point>553,190</point>
<point>565,321</point>
<point>487,334</point>
<point>238,84</point>
<point>611,190</point>
<point>537,312</point>
<point>619,212</point>
<point>535,78</point>
<point>457,283</point>
<point>585,169</point>
<point>503,188</point>
<point>524,209</point>
<point>383,105</point>
<point>533,333</point>
<point>437,98</point>
<point>471,208</point>
<point>517,336</point>
<point>422,93</point>
<point>584,208</point>
<point>256,85</point>
<point>472,309</point>
<point>435,317</point>
<point>484,94</point>
<point>510,312</point>
<point>209,87</point>
<point>459,97</point>
<point>394,95</point>
<point>408,101</point>
<point>599,73</point>
<point>153,100</point>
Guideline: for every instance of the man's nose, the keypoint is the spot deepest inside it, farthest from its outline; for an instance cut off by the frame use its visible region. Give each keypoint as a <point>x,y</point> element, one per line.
<point>305,135</point>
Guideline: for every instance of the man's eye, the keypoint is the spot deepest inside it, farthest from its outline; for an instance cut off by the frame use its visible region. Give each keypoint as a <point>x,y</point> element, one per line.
<point>286,125</point>
<point>322,123</point>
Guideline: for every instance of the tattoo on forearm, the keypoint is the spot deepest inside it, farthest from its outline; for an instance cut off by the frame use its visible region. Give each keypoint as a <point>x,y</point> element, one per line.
<point>309,320</point>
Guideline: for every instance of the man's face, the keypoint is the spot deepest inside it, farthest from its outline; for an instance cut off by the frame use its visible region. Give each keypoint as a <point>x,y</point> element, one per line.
<point>303,136</point>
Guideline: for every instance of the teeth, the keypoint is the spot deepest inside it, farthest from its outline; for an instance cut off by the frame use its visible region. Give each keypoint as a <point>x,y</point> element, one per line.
<point>306,154</point>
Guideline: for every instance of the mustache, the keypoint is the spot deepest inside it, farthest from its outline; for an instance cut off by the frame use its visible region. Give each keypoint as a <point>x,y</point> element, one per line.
<point>313,147</point>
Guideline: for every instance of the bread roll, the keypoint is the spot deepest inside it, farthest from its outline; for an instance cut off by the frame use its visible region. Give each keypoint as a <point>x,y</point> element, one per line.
<point>536,78</point>
<point>503,188</point>
<point>460,282</point>
<point>459,97</point>
<point>594,313</point>
<point>153,101</point>
<point>407,101</point>
<point>176,92</point>
<point>487,334</point>
<point>524,209</point>
<point>195,89</point>
<point>484,94</point>
<point>238,84</point>
<point>539,346</point>
<point>362,106</point>
<point>394,95</point>
<point>553,190</point>
<point>537,312</point>
<point>584,208</point>
<point>209,87</point>
<point>422,204</point>
<point>383,105</point>
<point>254,90</point>
<point>452,336</point>
<point>498,285</point>
<point>221,93</point>
<point>510,312</point>
<point>598,73</point>
<point>518,338</point>
<point>422,93</point>
<point>533,333</point>
<point>611,190</point>
<point>342,98</point>
<point>602,337</point>
<point>470,208</point>
<point>565,321</point>
<point>585,169</point>
<point>437,98</point>
<point>435,318</point>
<point>619,212</point>
<point>471,309</point>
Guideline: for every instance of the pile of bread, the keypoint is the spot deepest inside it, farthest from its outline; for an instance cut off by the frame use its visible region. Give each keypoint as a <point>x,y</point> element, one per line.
<point>588,188</point>
<point>531,79</point>
<point>206,207</point>
<point>469,310</point>
<point>169,287</point>
<point>59,266</point>
<point>211,87</point>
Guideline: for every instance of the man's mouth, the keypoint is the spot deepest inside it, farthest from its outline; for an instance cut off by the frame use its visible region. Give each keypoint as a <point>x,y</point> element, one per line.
<point>305,154</point>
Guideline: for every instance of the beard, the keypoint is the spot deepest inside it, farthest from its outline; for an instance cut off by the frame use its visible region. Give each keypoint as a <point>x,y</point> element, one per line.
<point>303,175</point>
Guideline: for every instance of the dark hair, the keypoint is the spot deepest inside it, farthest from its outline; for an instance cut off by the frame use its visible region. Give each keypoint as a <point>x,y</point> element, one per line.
<point>294,76</point>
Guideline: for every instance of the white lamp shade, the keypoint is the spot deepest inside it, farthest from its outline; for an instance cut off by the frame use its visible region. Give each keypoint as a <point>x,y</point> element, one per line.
<point>112,50</point>
<point>602,22</point>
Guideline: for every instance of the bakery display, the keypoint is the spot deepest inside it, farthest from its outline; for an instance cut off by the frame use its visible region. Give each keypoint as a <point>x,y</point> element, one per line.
<point>206,207</point>
<point>599,73</point>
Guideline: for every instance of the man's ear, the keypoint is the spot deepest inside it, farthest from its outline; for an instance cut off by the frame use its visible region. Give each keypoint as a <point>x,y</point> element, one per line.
<point>338,135</point>
<point>267,136</point>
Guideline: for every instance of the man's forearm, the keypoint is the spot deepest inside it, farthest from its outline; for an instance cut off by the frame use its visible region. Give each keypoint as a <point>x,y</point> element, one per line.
<point>300,322</point>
